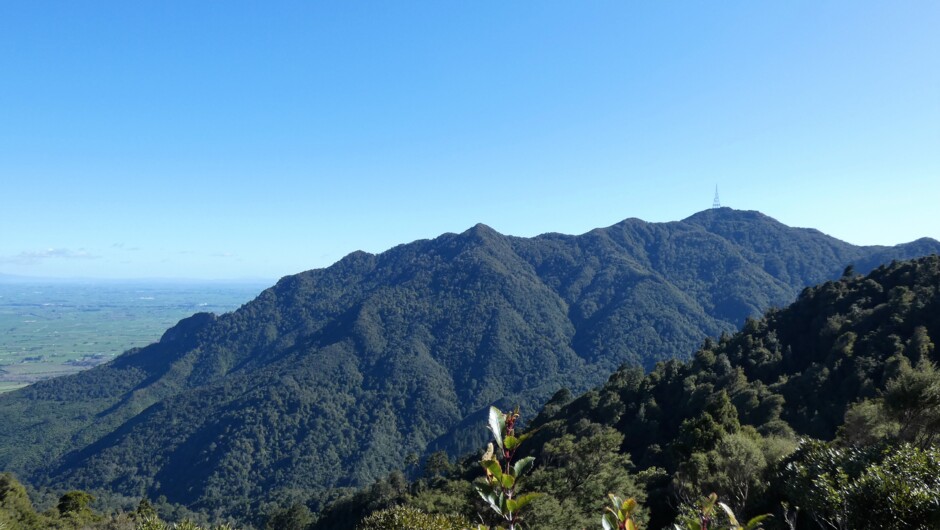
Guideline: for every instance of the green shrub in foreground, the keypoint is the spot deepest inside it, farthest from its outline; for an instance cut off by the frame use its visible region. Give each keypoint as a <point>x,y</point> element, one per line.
<point>408,518</point>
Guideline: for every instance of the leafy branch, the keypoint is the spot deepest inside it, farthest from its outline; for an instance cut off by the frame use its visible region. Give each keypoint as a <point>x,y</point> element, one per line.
<point>499,487</point>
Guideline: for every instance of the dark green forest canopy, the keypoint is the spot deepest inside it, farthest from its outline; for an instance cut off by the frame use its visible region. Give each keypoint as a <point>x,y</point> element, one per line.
<point>796,368</point>
<point>853,357</point>
<point>851,363</point>
<point>331,377</point>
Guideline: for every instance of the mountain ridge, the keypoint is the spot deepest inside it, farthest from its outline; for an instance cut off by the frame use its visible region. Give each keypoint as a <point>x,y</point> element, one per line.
<point>391,352</point>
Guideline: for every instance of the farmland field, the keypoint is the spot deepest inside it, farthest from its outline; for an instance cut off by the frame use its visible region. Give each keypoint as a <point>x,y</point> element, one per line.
<point>51,329</point>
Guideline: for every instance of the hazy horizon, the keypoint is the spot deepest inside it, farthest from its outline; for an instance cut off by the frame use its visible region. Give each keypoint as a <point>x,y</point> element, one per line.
<point>257,281</point>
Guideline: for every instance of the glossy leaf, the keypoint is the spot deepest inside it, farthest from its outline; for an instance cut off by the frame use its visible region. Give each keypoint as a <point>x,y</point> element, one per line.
<point>493,468</point>
<point>523,465</point>
<point>507,481</point>
<point>730,514</point>
<point>755,522</point>
<point>523,500</point>
<point>497,424</point>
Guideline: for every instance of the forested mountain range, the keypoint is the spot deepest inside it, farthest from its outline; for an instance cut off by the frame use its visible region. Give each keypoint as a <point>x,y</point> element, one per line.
<point>332,376</point>
<point>851,360</point>
<point>824,414</point>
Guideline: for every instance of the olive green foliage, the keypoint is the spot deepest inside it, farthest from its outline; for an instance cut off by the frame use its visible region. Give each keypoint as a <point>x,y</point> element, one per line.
<point>344,513</point>
<point>74,512</point>
<point>907,411</point>
<point>576,473</point>
<point>845,488</point>
<point>500,487</point>
<point>901,491</point>
<point>408,518</point>
<point>723,423</point>
<point>857,351</point>
<point>710,513</point>
<point>152,523</point>
<point>16,509</point>
<point>75,503</point>
<point>297,517</point>
<point>331,377</point>
<point>572,478</point>
<point>619,515</point>
<point>912,399</point>
<point>736,466</point>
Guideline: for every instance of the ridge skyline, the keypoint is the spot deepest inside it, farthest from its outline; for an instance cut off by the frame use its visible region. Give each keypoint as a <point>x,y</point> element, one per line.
<point>459,321</point>
<point>263,280</point>
<point>229,157</point>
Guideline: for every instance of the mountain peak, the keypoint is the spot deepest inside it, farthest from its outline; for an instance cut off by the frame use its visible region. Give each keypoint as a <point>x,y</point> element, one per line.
<point>725,213</point>
<point>480,229</point>
<point>356,257</point>
<point>187,328</point>
<point>480,233</point>
<point>407,346</point>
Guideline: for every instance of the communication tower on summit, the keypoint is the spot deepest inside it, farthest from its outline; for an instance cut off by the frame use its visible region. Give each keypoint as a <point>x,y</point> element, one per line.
<point>716,203</point>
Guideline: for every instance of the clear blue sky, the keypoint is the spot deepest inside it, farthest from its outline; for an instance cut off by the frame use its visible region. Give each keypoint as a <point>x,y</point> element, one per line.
<point>258,139</point>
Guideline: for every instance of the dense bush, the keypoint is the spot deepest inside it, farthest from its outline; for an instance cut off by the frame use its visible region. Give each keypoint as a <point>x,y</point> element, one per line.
<point>407,518</point>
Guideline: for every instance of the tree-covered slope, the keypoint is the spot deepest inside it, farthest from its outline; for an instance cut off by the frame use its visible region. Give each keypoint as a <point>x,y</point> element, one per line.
<point>332,376</point>
<point>825,414</point>
<point>852,359</point>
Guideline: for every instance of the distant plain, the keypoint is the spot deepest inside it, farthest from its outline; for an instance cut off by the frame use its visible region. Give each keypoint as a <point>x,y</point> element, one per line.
<point>53,328</point>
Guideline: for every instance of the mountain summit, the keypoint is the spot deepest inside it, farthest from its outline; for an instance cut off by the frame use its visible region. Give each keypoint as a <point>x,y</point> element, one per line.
<point>332,376</point>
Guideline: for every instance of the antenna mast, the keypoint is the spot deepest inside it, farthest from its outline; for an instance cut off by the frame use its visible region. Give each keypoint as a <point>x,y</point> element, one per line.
<point>716,203</point>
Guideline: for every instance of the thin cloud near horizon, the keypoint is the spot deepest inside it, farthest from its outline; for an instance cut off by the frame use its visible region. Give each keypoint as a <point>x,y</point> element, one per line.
<point>31,256</point>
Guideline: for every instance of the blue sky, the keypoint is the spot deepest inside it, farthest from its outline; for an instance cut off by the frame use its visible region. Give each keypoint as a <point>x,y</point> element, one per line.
<point>254,140</point>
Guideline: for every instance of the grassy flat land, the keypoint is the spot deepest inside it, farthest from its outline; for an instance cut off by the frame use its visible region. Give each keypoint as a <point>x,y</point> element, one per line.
<point>6,387</point>
<point>54,329</point>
